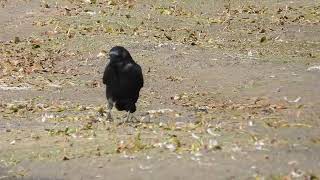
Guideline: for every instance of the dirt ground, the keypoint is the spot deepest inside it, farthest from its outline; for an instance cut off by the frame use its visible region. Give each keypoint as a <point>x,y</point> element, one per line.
<point>231,89</point>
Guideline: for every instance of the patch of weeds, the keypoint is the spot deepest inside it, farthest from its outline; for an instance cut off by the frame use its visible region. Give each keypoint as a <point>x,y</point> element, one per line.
<point>278,177</point>
<point>58,132</point>
<point>133,146</point>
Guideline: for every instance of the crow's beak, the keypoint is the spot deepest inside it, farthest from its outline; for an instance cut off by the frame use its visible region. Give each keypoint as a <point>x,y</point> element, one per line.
<point>114,53</point>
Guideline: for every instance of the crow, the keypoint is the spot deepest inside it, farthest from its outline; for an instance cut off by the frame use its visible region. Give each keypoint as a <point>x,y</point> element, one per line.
<point>123,79</point>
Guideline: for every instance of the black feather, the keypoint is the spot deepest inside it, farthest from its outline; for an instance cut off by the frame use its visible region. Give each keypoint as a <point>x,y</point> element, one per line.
<point>123,79</point>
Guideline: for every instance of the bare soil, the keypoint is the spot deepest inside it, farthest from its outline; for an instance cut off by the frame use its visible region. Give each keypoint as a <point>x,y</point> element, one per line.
<point>231,90</point>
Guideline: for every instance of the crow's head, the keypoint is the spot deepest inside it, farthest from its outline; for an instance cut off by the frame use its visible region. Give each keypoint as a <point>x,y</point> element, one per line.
<point>119,53</point>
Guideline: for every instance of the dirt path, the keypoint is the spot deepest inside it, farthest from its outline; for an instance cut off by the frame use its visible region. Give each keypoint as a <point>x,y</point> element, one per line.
<point>231,92</point>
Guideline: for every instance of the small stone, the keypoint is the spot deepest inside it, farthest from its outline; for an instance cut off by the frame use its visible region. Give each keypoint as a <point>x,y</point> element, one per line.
<point>65,158</point>
<point>263,39</point>
<point>16,39</point>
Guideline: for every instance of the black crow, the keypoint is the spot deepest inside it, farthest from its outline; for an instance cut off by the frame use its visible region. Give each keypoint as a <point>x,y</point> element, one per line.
<point>123,79</point>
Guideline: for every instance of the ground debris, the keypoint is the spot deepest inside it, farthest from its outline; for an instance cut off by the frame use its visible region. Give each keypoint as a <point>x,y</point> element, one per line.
<point>314,68</point>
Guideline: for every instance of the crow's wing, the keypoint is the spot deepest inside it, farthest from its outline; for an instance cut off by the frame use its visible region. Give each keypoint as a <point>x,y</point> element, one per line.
<point>139,76</point>
<point>123,82</point>
<point>136,76</point>
<point>130,81</point>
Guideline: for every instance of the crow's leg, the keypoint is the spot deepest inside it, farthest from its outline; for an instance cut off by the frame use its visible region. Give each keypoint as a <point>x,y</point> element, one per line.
<point>129,116</point>
<point>109,107</point>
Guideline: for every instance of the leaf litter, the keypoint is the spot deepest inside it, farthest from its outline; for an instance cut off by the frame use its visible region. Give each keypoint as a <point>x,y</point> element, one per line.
<point>217,123</point>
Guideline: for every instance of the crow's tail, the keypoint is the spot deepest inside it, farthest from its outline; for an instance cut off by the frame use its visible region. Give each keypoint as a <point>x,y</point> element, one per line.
<point>126,106</point>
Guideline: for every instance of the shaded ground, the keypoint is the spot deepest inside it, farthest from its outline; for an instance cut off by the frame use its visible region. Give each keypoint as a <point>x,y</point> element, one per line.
<point>231,92</point>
